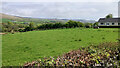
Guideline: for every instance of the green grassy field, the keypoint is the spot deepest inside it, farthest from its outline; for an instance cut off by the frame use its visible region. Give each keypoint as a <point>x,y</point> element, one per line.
<point>29,46</point>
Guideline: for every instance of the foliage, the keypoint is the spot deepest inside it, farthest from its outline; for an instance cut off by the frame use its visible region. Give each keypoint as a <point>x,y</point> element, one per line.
<point>109,16</point>
<point>33,45</point>
<point>104,55</point>
<point>30,27</point>
<point>74,24</point>
<point>95,24</point>
<point>28,20</point>
<point>10,26</point>
<point>13,27</point>
<point>88,25</point>
<point>69,24</point>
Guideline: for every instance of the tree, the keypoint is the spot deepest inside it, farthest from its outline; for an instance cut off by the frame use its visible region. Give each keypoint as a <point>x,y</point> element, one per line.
<point>88,25</point>
<point>72,23</point>
<point>15,27</point>
<point>58,25</point>
<point>95,24</point>
<point>66,25</point>
<point>80,24</point>
<point>30,27</point>
<point>10,27</point>
<point>109,16</point>
<point>21,25</point>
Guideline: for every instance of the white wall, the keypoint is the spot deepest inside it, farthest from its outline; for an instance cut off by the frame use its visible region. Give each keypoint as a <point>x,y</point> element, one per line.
<point>110,24</point>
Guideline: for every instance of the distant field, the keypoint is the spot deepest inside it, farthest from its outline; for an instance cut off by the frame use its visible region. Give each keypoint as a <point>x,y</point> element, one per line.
<point>28,46</point>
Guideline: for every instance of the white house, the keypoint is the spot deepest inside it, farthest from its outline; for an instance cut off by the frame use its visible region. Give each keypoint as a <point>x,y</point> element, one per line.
<point>109,22</point>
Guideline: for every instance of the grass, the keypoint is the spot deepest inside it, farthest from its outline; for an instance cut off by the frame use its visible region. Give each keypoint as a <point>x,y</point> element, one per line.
<point>24,47</point>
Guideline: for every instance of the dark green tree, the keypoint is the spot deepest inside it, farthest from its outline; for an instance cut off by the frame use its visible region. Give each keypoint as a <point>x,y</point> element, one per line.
<point>109,16</point>
<point>10,27</point>
<point>30,27</point>
<point>88,25</point>
<point>95,24</point>
<point>80,24</point>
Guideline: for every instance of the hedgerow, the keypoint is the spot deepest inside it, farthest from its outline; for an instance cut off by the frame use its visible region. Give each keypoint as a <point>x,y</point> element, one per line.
<point>103,55</point>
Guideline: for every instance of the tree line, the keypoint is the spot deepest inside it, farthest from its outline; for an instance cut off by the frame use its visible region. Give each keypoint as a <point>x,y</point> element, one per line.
<point>12,27</point>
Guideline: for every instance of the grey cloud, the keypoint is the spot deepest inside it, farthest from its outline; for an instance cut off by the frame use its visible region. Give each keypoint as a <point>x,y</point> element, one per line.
<point>81,10</point>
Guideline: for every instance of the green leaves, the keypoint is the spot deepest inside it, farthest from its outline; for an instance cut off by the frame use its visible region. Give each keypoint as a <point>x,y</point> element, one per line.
<point>89,56</point>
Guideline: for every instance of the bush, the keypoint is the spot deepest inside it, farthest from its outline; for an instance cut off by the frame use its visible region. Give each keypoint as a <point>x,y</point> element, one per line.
<point>21,30</point>
<point>103,55</point>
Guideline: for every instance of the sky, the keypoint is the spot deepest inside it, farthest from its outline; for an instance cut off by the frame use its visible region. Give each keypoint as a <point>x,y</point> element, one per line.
<point>61,9</point>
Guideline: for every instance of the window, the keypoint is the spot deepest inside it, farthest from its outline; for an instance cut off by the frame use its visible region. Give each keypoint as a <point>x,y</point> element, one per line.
<point>113,23</point>
<point>107,23</point>
<point>102,23</point>
<point>118,23</point>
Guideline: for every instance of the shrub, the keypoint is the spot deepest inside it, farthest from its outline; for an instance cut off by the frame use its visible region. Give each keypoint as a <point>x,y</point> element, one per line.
<point>21,30</point>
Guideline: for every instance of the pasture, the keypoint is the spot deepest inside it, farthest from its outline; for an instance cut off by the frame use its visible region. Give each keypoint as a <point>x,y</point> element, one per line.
<point>20,48</point>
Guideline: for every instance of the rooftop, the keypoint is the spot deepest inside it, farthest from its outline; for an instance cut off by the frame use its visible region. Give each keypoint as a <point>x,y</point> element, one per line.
<point>109,20</point>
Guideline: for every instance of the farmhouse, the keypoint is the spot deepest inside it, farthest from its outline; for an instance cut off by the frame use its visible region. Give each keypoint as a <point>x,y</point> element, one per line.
<point>109,22</point>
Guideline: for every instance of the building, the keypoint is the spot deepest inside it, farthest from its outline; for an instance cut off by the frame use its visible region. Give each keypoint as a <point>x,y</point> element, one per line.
<point>109,22</point>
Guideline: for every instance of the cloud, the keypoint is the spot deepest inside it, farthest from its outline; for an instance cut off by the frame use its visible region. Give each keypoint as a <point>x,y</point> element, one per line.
<point>60,0</point>
<point>25,12</point>
<point>81,10</point>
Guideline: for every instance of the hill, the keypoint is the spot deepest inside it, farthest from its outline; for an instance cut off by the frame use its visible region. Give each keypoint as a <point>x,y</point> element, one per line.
<point>34,45</point>
<point>6,18</point>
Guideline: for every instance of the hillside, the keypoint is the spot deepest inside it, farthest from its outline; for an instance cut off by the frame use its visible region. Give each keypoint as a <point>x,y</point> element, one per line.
<point>6,18</point>
<point>34,45</point>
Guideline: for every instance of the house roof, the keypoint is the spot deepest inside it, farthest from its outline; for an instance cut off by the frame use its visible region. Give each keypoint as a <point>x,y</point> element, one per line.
<point>109,20</point>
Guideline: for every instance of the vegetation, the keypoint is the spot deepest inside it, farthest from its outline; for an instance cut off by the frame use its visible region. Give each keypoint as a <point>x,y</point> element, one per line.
<point>16,19</point>
<point>68,43</point>
<point>95,24</point>
<point>69,24</point>
<point>20,48</point>
<point>22,20</point>
<point>12,27</point>
<point>109,16</point>
<point>102,55</point>
<point>30,27</point>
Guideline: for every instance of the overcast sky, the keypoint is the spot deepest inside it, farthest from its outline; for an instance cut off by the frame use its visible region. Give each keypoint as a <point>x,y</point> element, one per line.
<point>72,10</point>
